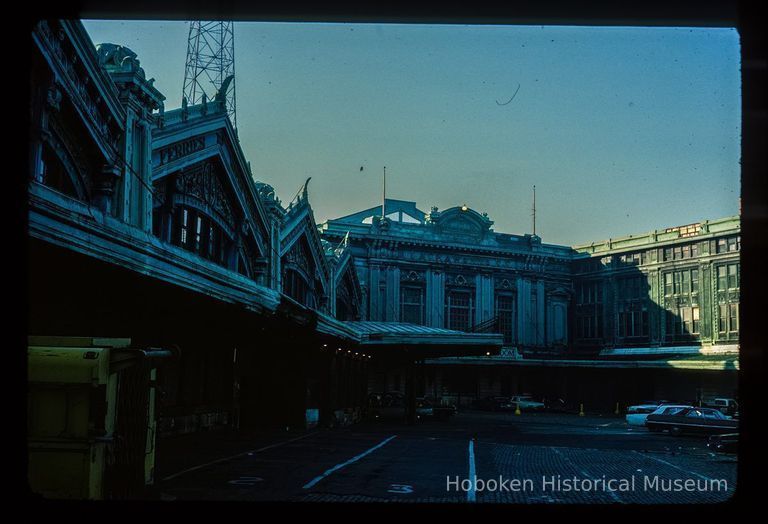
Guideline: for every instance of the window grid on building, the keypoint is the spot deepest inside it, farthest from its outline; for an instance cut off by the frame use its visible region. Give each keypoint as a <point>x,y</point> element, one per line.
<point>728,298</point>
<point>632,313</point>
<point>412,304</point>
<point>681,295</point>
<point>589,309</point>
<point>505,312</point>
<point>459,309</point>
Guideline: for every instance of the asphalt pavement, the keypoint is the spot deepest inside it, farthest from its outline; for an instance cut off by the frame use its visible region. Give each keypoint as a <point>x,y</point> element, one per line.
<point>475,457</point>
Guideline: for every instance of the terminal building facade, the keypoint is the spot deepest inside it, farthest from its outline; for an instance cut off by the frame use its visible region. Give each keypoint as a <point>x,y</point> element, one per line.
<point>656,301</point>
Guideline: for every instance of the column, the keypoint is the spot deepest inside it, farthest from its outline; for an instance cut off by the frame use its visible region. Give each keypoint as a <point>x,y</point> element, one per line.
<point>541,317</point>
<point>435,298</point>
<point>483,298</point>
<point>392,313</point>
<point>373,293</point>
<point>523,307</point>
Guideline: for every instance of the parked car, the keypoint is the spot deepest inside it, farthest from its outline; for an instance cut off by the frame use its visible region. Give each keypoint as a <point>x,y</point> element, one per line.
<point>724,443</point>
<point>493,404</point>
<point>526,403</point>
<point>424,408</point>
<point>702,421</point>
<point>727,406</point>
<point>647,406</point>
<point>640,413</point>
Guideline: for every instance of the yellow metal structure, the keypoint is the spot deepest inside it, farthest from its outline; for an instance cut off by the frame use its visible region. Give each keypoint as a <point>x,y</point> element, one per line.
<point>73,385</point>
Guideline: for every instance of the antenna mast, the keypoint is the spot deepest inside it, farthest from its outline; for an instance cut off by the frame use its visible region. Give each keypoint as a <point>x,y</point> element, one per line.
<point>210,61</point>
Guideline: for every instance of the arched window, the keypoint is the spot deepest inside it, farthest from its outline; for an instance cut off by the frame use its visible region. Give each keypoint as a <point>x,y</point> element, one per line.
<point>198,233</point>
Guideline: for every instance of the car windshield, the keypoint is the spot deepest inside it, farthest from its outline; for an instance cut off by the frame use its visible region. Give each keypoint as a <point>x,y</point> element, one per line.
<point>669,411</point>
<point>712,413</point>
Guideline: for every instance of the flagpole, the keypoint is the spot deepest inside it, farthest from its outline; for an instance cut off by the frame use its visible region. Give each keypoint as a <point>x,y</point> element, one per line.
<point>384,196</point>
<point>534,210</point>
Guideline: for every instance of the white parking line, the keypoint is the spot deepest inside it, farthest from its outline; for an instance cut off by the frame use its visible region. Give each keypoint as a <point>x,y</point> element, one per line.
<point>471,490</point>
<point>584,473</point>
<point>343,464</point>
<point>703,477</point>
<point>211,463</point>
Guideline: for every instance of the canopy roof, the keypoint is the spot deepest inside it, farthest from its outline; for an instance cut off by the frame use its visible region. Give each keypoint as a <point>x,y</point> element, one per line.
<point>424,341</point>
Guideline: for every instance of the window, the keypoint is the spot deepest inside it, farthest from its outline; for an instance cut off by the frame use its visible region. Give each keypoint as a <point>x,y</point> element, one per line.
<point>725,245</point>
<point>589,309</point>
<point>633,320</point>
<point>198,233</point>
<point>728,298</point>
<point>669,288</point>
<point>696,324</point>
<point>505,312</point>
<point>459,305</point>
<point>184,226</point>
<point>733,317</point>
<point>721,278</point>
<point>412,304</point>
<point>681,289</point>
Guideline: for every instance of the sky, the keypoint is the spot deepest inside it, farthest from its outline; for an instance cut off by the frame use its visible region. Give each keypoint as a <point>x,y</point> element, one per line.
<point>623,130</point>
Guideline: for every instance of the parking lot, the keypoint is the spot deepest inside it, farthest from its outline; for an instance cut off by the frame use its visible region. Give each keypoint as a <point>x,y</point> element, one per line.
<point>528,458</point>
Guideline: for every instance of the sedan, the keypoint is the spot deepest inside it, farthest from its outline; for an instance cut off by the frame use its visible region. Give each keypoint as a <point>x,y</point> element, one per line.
<point>702,421</point>
<point>525,402</point>
<point>637,415</point>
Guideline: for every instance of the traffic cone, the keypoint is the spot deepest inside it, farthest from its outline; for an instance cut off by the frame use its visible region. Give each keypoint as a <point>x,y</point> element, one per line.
<point>581,409</point>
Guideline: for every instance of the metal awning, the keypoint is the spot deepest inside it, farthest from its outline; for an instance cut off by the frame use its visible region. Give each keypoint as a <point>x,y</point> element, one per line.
<point>424,341</point>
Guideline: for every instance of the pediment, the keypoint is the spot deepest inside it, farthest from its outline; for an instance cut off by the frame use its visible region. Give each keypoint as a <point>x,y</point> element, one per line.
<point>462,222</point>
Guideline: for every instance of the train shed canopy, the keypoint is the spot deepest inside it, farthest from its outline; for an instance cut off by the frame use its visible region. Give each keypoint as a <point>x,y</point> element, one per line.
<point>404,340</point>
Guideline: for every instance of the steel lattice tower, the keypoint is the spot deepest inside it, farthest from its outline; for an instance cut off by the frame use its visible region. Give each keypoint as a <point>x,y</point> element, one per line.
<point>210,60</point>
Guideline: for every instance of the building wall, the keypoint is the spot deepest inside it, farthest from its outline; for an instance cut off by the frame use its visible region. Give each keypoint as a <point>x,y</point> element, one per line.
<point>672,287</point>
<point>677,287</point>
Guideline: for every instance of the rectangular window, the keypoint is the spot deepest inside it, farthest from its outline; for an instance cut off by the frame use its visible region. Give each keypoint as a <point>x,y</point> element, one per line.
<point>722,321</point>
<point>721,280</point>
<point>685,282</point>
<point>733,243</point>
<point>696,323</point>
<point>460,309</point>
<point>184,226</point>
<point>733,276</point>
<point>721,245</point>
<point>687,251</point>
<point>667,253</point>
<point>412,304</point>
<point>694,280</point>
<point>198,234</point>
<point>505,312</point>
<point>733,317</point>
<point>694,250</point>
<point>687,319</point>
<point>668,284</point>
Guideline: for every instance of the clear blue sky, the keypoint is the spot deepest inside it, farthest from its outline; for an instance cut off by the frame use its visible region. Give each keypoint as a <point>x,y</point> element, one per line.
<point>622,130</point>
